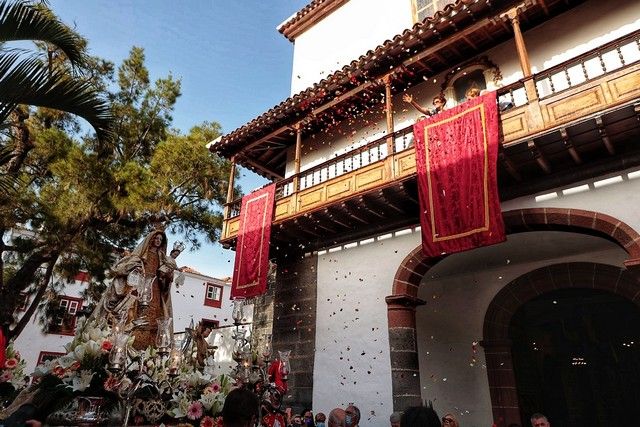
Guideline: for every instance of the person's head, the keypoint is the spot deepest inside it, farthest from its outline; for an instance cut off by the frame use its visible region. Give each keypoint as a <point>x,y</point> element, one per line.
<point>394,419</point>
<point>539,420</point>
<point>449,420</point>
<point>240,409</point>
<point>473,92</point>
<point>336,418</point>
<point>420,416</point>
<point>157,240</point>
<point>296,420</point>
<point>320,419</point>
<point>307,418</point>
<point>439,101</point>
<point>351,416</point>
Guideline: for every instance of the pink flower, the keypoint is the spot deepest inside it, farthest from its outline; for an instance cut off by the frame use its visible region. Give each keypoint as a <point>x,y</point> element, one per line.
<point>11,363</point>
<point>6,376</point>
<point>207,422</point>
<point>106,345</point>
<point>195,411</point>
<point>58,371</point>
<point>75,366</point>
<point>215,387</point>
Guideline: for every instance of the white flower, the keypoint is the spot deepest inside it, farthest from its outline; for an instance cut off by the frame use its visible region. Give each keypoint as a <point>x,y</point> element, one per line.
<point>82,382</point>
<point>43,369</point>
<point>67,360</point>
<point>208,400</point>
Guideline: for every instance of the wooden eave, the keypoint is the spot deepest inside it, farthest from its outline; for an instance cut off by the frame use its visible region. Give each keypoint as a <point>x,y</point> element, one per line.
<point>462,31</point>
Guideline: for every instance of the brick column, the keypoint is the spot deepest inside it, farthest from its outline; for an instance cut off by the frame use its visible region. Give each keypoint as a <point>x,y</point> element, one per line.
<point>294,324</point>
<point>405,370</point>
<point>504,395</point>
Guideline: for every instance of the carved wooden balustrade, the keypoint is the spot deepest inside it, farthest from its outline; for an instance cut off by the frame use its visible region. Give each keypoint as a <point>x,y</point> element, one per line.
<point>598,80</point>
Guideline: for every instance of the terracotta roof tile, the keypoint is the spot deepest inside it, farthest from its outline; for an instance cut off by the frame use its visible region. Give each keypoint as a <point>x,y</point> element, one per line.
<point>299,104</point>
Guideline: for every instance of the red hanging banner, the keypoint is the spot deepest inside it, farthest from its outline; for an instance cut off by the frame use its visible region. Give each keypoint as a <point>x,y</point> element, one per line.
<point>456,155</point>
<point>252,250</point>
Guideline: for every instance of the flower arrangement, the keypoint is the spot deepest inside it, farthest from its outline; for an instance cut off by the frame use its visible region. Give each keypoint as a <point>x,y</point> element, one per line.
<point>154,387</point>
<point>12,377</point>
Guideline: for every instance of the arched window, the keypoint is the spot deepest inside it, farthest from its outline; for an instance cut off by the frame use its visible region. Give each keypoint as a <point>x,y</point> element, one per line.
<point>479,73</point>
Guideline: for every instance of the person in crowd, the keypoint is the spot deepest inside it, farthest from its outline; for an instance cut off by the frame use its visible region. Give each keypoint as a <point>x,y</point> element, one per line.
<point>296,420</point>
<point>352,416</point>
<point>307,418</point>
<point>539,420</point>
<point>449,420</point>
<point>336,418</point>
<point>240,409</point>
<point>320,419</point>
<point>439,102</point>
<point>420,416</point>
<point>394,419</point>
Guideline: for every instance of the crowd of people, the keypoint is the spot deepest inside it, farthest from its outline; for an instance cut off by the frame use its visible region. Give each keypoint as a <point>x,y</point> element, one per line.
<point>241,410</point>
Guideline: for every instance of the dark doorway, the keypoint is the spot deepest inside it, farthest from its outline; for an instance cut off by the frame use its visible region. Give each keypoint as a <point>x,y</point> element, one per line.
<point>576,357</point>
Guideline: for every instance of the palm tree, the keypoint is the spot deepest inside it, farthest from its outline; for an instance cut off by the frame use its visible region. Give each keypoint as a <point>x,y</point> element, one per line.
<point>26,79</point>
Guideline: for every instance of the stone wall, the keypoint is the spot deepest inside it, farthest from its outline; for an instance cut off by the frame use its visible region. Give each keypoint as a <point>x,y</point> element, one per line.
<point>294,325</point>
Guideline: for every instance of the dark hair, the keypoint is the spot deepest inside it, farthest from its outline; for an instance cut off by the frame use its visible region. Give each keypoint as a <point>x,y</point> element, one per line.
<point>240,406</point>
<point>420,416</point>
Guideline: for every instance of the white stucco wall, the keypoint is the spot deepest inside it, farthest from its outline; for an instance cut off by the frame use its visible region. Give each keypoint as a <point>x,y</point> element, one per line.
<point>344,35</point>
<point>584,28</point>
<point>352,340</point>
<point>458,292</point>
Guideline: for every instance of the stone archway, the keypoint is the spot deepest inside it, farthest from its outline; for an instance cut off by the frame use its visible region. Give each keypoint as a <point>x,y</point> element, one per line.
<point>496,343</point>
<point>401,305</point>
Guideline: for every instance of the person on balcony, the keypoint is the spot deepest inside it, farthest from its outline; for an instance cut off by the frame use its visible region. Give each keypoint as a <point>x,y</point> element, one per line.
<point>439,102</point>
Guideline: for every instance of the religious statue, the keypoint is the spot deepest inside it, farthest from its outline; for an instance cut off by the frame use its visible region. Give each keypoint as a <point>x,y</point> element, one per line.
<point>121,303</point>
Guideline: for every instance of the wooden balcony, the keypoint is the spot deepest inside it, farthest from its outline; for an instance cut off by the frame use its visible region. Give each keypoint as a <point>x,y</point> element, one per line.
<point>575,120</point>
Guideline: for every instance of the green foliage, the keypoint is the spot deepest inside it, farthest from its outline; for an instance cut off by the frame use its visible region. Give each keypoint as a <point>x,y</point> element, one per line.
<point>89,198</point>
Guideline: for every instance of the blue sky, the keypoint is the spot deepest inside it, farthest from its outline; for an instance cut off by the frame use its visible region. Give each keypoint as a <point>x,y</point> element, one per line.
<point>233,63</point>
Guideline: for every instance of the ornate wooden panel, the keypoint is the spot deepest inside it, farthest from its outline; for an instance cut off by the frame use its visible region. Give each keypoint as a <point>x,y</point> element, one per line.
<point>339,188</point>
<point>310,198</point>
<point>283,208</point>
<point>233,225</point>
<point>625,86</point>
<point>370,176</point>
<point>406,163</point>
<point>574,106</point>
<point>514,124</point>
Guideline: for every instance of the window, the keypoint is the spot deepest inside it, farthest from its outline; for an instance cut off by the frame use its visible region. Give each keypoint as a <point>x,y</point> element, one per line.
<point>211,324</point>
<point>23,302</point>
<point>427,8</point>
<point>63,319</point>
<point>48,355</point>
<point>213,295</point>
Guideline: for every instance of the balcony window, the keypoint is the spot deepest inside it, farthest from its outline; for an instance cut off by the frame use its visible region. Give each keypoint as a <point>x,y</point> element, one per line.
<point>63,316</point>
<point>213,295</point>
<point>210,324</point>
<point>423,9</point>
<point>48,355</point>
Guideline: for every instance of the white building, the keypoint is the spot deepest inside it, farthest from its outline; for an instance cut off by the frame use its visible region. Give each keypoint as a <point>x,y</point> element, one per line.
<point>200,299</point>
<point>547,321</point>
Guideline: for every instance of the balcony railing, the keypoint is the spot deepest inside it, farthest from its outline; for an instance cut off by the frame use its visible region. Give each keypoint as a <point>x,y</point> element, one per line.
<point>590,65</point>
<point>562,93</point>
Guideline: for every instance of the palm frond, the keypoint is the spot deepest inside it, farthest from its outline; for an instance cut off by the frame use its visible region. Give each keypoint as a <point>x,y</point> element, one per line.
<point>28,81</point>
<point>8,182</point>
<point>21,21</point>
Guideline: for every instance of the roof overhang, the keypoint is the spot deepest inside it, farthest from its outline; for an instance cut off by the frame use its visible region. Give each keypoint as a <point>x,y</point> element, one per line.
<point>463,30</point>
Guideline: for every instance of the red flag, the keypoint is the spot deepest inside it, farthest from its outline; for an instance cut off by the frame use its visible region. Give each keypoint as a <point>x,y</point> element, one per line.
<point>456,155</point>
<point>252,250</point>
